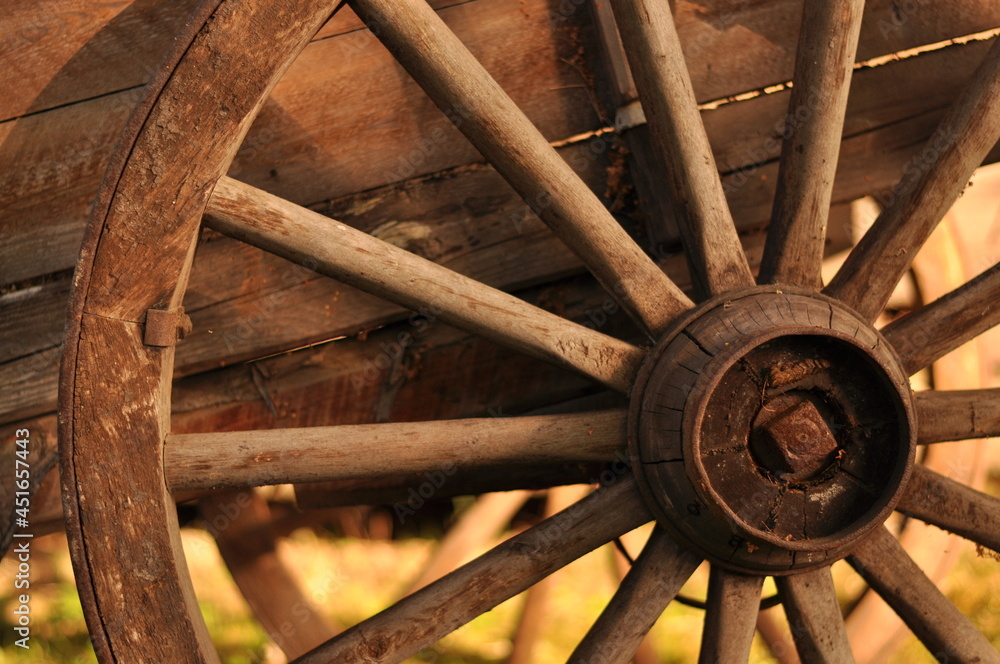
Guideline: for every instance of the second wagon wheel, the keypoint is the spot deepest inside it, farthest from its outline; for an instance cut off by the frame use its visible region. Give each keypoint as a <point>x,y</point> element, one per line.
<point>771,431</point>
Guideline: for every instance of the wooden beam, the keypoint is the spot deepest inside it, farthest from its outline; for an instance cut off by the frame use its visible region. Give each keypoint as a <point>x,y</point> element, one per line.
<point>814,127</point>
<point>706,225</point>
<point>730,616</point>
<point>950,415</point>
<point>385,270</point>
<point>367,451</point>
<point>492,121</point>
<point>927,334</point>
<point>952,506</point>
<point>320,147</point>
<point>654,580</point>
<point>814,615</point>
<point>231,307</point>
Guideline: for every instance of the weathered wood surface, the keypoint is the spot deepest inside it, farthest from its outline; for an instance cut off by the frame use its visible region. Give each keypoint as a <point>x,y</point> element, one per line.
<point>230,306</point>
<point>58,52</point>
<point>55,39</point>
<point>950,415</point>
<point>506,570</point>
<point>117,521</point>
<point>740,132</point>
<point>817,625</point>
<point>692,178</point>
<point>730,616</point>
<point>383,269</point>
<point>930,185</point>
<point>654,580</point>
<point>952,506</point>
<point>476,104</point>
<point>53,160</point>
<point>941,627</point>
<point>925,335</point>
<point>365,451</point>
<point>875,150</point>
<point>743,137</point>
<point>43,455</point>
<point>125,544</point>
<point>814,127</point>
<point>246,303</point>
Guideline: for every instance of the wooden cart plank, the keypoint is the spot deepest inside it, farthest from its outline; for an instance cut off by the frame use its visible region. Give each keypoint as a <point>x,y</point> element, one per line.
<point>44,153</point>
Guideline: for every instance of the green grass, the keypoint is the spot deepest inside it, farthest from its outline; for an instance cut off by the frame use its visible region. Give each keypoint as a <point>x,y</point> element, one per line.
<point>352,579</point>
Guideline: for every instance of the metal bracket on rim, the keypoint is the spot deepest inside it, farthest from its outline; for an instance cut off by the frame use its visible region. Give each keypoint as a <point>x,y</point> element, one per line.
<point>164,328</point>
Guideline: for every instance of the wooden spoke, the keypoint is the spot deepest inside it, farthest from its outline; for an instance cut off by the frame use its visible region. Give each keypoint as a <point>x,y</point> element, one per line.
<point>479,107</point>
<point>661,76</point>
<point>947,504</point>
<point>827,47</point>
<point>378,267</point>
<point>927,334</point>
<point>508,569</point>
<point>731,616</point>
<point>948,634</point>
<point>931,183</point>
<point>814,616</point>
<point>480,524</point>
<point>957,415</point>
<point>240,521</point>
<point>651,584</point>
<point>365,451</point>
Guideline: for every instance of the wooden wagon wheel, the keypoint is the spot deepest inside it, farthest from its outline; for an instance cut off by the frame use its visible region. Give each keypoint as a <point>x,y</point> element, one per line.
<point>771,428</point>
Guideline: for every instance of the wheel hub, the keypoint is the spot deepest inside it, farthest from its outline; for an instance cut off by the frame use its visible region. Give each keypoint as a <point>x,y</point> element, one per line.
<point>771,429</point>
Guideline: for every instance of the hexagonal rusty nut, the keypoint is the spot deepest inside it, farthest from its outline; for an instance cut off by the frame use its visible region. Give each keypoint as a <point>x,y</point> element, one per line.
<point>797,442</point>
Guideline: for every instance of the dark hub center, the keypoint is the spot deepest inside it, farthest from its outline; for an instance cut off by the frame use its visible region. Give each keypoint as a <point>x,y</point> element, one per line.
<point>770,430</point>
<point>792,440</point>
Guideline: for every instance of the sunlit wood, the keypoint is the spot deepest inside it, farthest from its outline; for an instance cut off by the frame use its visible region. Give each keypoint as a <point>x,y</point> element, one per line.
<point>344,253</point>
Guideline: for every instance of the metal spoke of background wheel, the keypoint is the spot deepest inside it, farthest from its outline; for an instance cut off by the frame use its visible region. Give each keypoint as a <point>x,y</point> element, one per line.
<point>506,570</point>
<point>664,85</point>
<point>828,44</point>
<point>817,624</point>
<point>932,181</point>
<point>940,327</point>
<point>360,451</point>
<point>730,616</point>
<point>479,107</point>
<point>952,415</point>
<point>658,573</point>
<point>947,504</point>
<point>373,265</point>
<point>887,568</point>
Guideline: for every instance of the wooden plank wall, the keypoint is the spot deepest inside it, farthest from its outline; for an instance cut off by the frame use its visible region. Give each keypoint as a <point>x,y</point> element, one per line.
<point>347,133</point>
